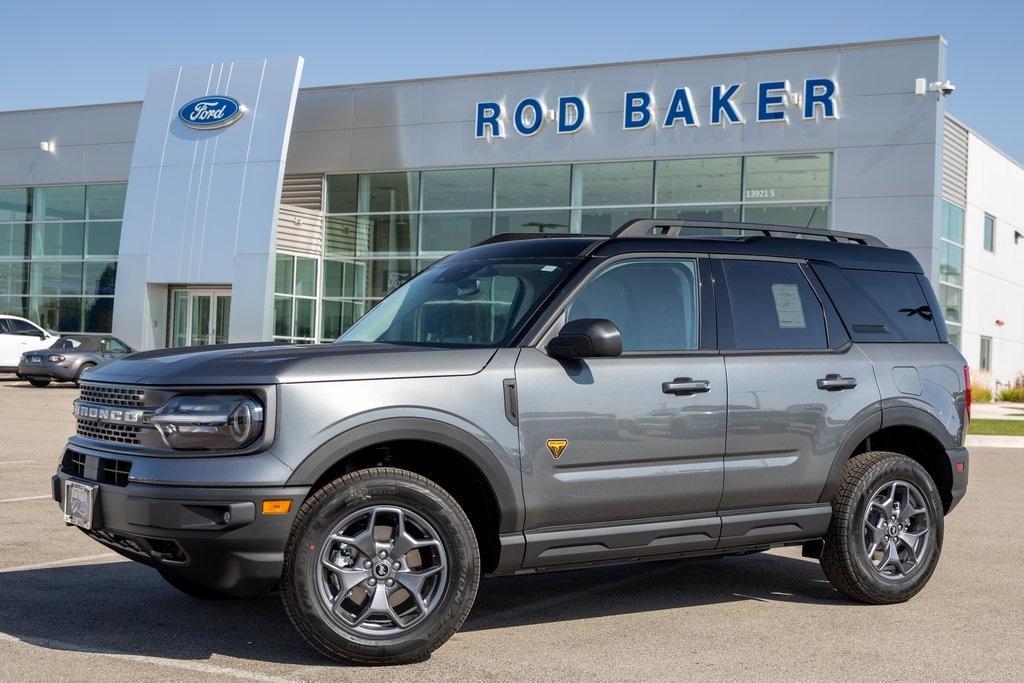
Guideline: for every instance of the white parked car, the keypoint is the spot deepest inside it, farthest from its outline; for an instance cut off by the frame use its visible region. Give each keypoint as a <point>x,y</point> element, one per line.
<point>17,336</point>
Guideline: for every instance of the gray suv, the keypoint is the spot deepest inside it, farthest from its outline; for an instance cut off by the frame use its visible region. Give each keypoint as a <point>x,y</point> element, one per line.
<point>537,402</point>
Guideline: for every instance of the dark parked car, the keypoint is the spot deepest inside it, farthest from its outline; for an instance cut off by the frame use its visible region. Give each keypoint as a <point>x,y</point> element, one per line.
<point>69,357</point>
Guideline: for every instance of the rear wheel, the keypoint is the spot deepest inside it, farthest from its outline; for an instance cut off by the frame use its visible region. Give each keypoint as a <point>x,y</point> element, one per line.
<point>382,567</point>
<point>83,369</point>
<point>39,382</point>
<point>886,533</point>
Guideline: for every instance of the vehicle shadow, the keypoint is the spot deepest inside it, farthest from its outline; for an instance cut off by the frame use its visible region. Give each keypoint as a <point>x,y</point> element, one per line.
<point>126,608</point>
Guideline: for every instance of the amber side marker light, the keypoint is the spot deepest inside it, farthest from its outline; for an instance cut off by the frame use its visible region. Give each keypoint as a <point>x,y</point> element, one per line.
<point>277,506</point>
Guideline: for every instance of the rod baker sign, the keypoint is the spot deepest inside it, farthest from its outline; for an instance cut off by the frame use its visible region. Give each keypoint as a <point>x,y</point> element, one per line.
<point>815,100</point>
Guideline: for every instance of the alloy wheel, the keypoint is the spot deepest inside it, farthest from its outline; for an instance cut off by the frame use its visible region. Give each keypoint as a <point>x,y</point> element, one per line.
<point>896,528</point>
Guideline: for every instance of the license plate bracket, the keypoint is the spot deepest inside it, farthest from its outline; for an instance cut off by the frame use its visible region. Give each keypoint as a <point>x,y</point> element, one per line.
<point>80,500</point>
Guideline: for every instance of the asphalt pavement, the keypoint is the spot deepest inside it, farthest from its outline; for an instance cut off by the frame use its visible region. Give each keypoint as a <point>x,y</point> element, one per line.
<point>70,609</point>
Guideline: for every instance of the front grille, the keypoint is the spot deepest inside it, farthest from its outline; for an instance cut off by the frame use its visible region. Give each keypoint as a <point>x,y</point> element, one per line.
<point>114,471</point>
<point>104,431</point>
<point>74,464</point>
<point>109,395</point>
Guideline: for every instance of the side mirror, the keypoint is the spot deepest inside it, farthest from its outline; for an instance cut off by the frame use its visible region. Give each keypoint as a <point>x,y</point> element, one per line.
<point>586,338</point>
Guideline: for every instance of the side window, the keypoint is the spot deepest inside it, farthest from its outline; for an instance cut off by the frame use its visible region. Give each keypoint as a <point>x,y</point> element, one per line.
<point>653,302</point>
<point>22,327</point>
<point>773,306</point>
<point>5,326</point>
<point>111,345</point>
<point>880,306</point>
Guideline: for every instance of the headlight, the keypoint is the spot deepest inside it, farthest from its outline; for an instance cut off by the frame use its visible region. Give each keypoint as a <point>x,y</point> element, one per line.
<point>226,422</point>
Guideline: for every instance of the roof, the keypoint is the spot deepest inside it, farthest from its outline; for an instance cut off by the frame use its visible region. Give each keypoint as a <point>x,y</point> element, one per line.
<point>845,254</point>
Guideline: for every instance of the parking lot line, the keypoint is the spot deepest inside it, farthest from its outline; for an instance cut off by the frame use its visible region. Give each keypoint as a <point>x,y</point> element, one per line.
<point>58,563</point>
<point>196,667</point>
<point>15,462</point>
<point>24,498</point>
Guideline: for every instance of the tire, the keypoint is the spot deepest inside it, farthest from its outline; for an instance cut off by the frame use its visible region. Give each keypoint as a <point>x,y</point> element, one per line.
<point>193,589</point>
<point>39,382</point>
<point>902,558</point>
<point>399,629</point>
<point>85,366</point>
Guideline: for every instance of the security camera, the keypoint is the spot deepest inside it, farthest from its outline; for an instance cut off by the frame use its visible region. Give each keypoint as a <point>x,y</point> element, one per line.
<point>944,88</point>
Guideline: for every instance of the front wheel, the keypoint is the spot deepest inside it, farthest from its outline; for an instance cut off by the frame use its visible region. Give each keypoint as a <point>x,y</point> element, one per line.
<point>382,567</point>
<point>886,533</point>
<point>82,370</point>
<point>39,382</point>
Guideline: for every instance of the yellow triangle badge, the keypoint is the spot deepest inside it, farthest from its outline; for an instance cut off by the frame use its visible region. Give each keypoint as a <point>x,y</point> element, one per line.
<point>556,446</point>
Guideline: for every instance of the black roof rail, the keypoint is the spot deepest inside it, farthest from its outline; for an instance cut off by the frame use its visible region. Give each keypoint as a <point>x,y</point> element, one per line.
<point>657,227</point>
<point>515,236</point>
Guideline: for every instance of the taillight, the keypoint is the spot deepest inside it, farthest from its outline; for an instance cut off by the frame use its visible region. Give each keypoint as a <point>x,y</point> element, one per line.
<point>55,358</point>
<point>967,389</point>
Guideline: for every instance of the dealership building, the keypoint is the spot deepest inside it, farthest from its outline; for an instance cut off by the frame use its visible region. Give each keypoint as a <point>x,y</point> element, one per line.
<point>231,204</point>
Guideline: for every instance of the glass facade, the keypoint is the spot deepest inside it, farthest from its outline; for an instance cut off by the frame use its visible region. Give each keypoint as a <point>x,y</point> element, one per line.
<point>382,228</point>
<point>58,254</point>
<point>951,268</point>
<point>295,298</point>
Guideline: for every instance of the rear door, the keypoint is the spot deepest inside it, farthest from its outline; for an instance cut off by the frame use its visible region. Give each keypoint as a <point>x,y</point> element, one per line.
<point>796,384</point>
<point>10,350</point>
<point>617,461</point>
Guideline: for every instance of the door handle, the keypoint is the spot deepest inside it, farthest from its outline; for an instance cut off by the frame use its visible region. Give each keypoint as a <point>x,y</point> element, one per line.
<point>834,382</point>
<point>684,386</point>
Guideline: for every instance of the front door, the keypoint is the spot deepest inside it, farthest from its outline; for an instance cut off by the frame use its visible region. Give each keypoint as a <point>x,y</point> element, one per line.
<point>200,317</point>
<point>619,460</point>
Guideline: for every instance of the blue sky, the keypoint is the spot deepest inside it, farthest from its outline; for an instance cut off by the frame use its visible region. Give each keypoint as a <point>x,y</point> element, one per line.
<point>71,52</point>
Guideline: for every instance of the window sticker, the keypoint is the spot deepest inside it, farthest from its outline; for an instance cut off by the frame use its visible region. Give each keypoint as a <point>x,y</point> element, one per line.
<point>788,309</point>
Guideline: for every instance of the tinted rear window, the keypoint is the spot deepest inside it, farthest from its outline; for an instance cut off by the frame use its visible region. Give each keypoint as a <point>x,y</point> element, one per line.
<point>880,306</point>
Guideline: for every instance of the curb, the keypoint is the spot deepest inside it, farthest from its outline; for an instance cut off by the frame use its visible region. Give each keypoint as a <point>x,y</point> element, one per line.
<point>991,441</point>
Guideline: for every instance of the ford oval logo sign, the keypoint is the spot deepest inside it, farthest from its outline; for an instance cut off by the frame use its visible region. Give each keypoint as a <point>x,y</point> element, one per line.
<point>208,113</point>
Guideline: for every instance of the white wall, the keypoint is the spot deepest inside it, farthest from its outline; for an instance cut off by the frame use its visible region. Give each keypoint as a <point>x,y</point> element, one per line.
<point>994,282</point>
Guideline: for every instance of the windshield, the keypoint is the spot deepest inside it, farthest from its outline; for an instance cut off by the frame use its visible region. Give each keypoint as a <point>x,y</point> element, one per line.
<point>463,303</point>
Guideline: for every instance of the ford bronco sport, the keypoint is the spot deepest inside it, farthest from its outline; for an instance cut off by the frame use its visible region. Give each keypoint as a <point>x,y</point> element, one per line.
<point>540,402</point>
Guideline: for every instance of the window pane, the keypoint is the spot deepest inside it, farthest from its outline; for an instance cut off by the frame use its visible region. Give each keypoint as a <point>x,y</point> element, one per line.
<point>338,316</point>
<point>14,305</point>
<point>100,277</point>
<point>56,278</point>
<point>106,201</point>
<point>652,302</point>
<point>284,273</point>
<point>344,279</point>
<point>98,314</point>
<point>454,231</point>
<point>606,221</point>
<point>773,306</point>
<point>800,216</point>
<point>102,239</point>
<point>59,314</point>
<point>378,234</point>
<point>985,354</point>
<point>58,239</point>
<point>531,221</point>
<point>626,182</point>
<point>949,298</point>
<point>59,203</point>
<point>13,278</point>
<point>699,180</point>
<point>382,192</point>
<point>796,176</point>
<point>282,316</point>
<point>468,188</point>
<point>305,276</point>
<point>305,309</point>
<point>990,233</point>
<point>342,193</point>
<point>951,260</point>
<point>531,186</point>
<point>386,275</point>
<point>14,203</point>
<point>14,241</point>
<point>952,219</point>
<point>954,336</point>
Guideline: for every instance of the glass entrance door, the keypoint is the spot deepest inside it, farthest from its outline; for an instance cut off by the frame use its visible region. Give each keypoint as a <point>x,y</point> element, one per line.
<point>200,317</point>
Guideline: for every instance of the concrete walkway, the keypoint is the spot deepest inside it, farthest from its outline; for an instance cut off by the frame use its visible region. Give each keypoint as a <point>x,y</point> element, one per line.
<point>997,411</point>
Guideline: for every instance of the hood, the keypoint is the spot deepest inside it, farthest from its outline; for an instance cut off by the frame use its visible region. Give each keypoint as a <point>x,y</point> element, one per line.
<point>269,363</point>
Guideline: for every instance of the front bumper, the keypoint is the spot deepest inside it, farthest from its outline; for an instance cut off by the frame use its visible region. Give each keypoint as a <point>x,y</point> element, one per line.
<point>214,536</point>
<point>47,370</point>
<point>959,459</point>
